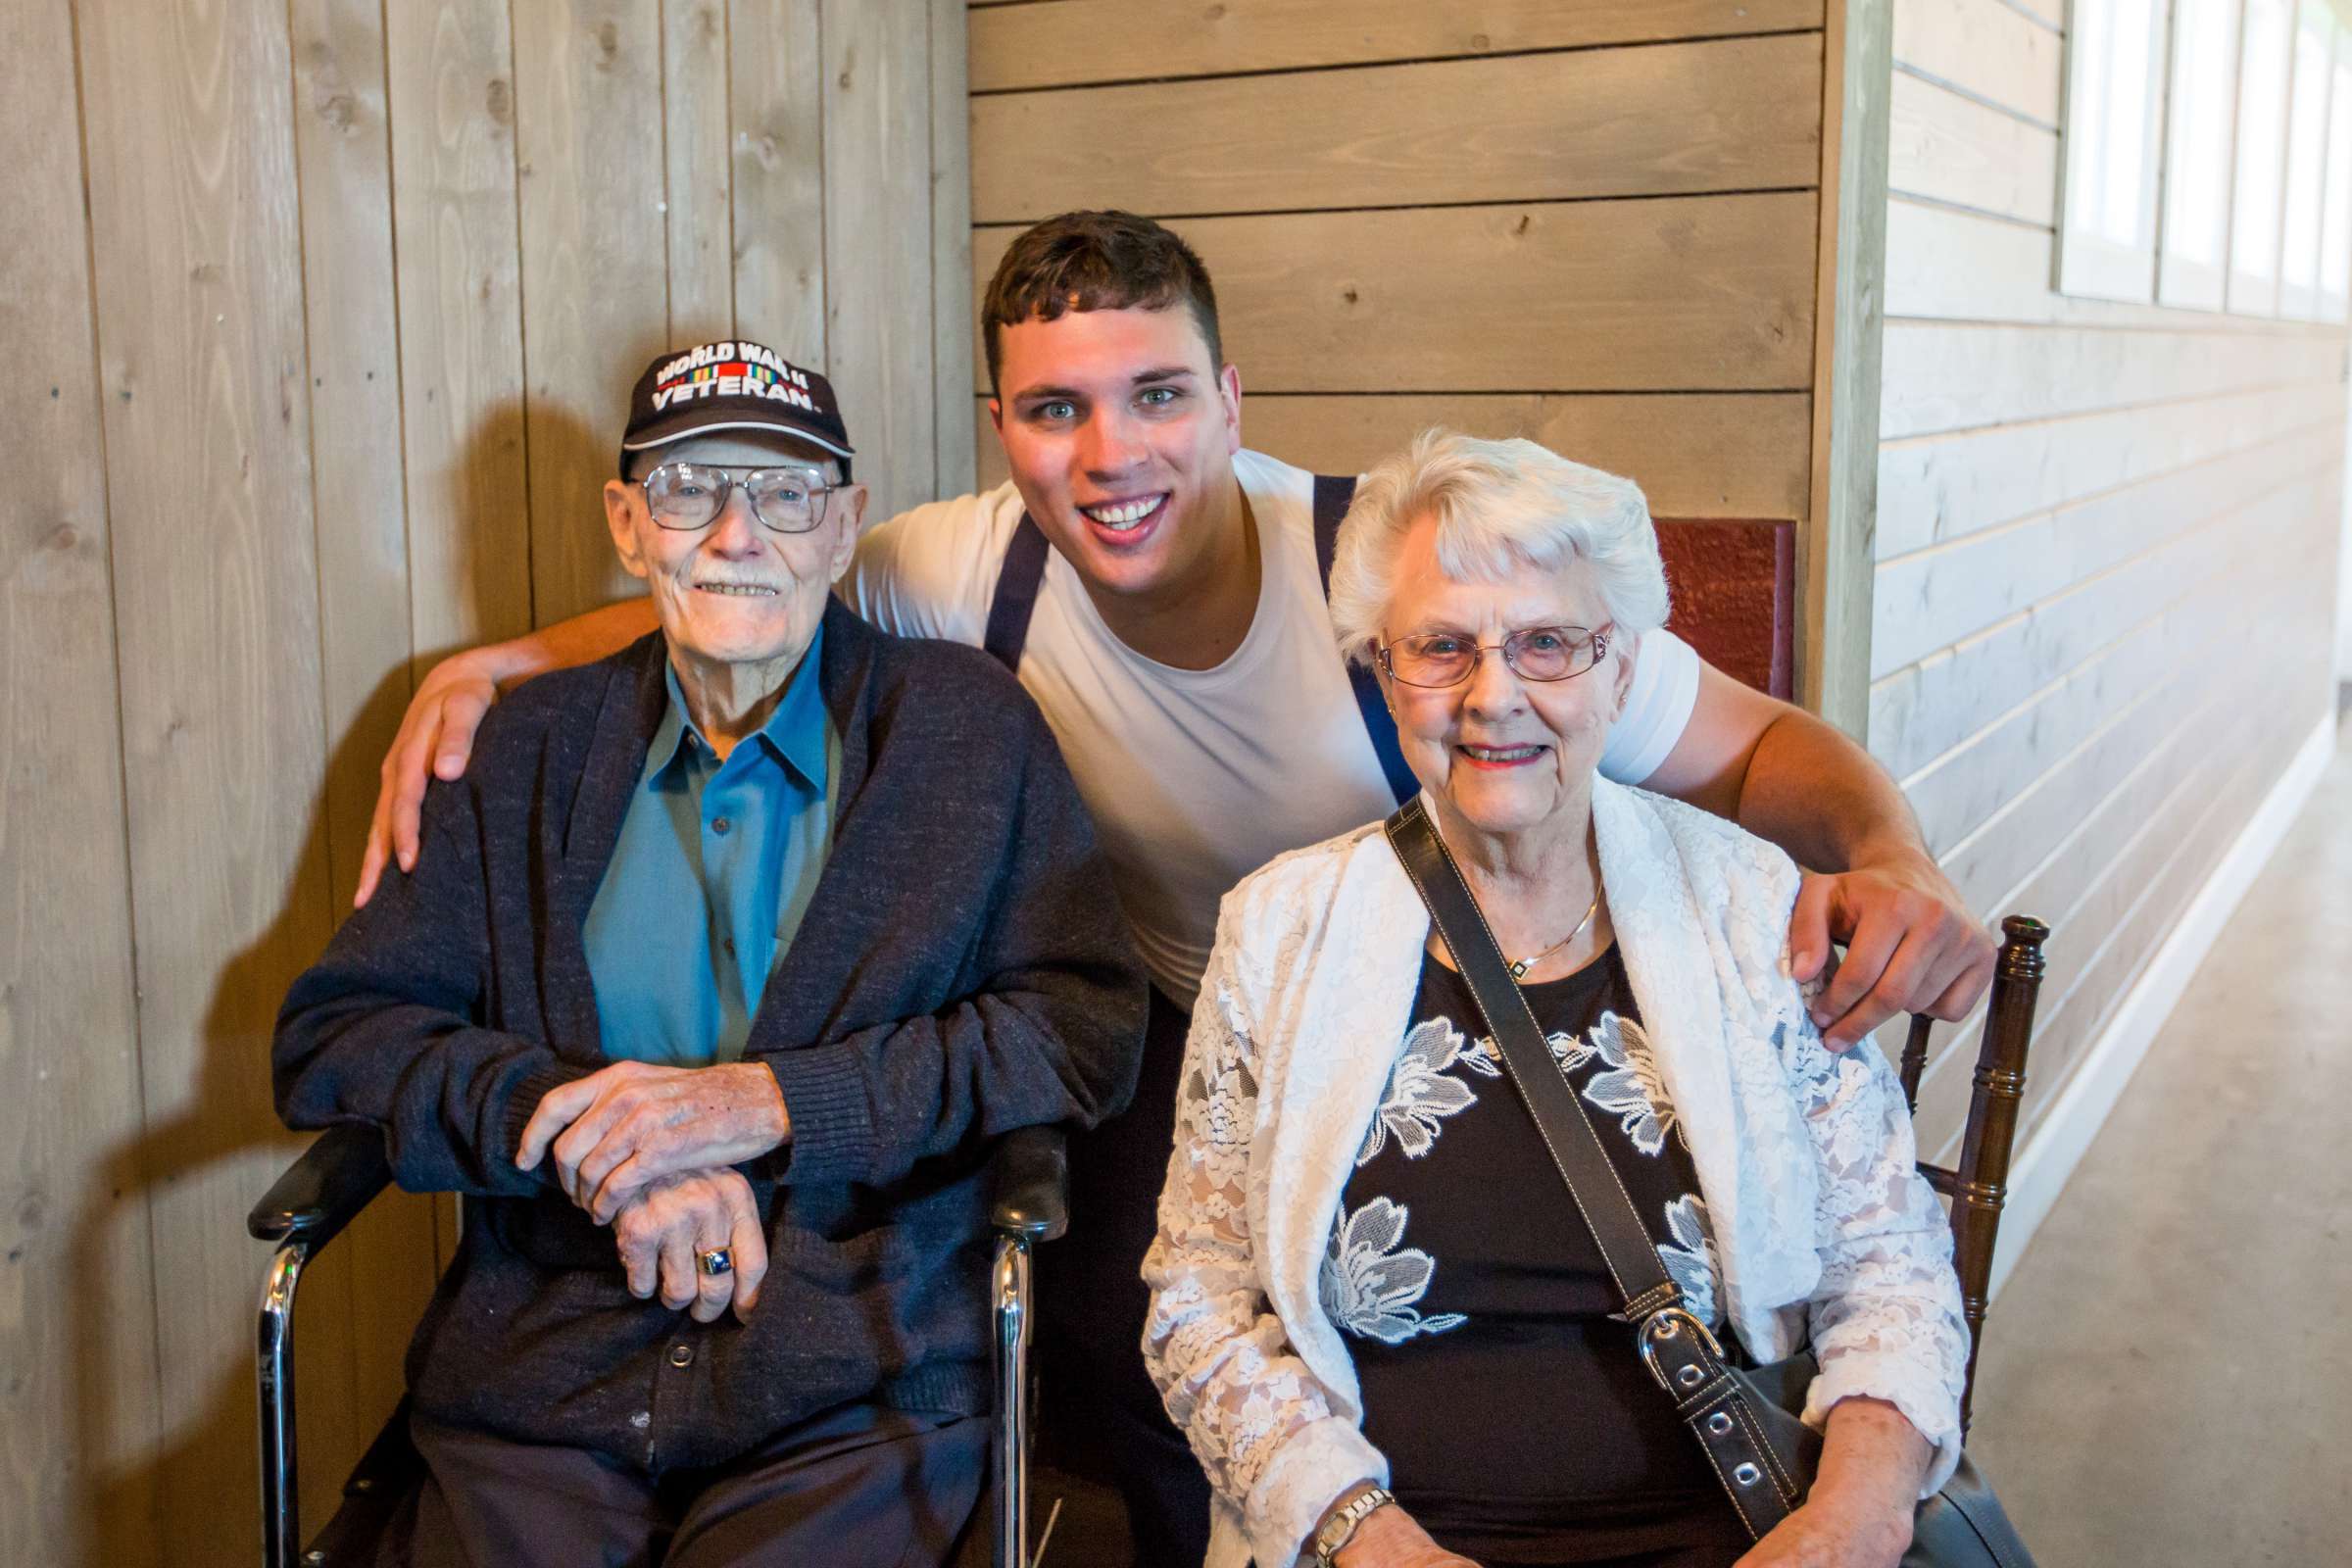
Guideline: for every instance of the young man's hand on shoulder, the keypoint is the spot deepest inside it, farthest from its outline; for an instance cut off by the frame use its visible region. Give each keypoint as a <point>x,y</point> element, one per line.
<point>1911,944</point>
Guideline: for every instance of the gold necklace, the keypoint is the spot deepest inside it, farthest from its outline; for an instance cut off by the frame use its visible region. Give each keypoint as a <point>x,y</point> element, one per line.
<point>1519,969</point>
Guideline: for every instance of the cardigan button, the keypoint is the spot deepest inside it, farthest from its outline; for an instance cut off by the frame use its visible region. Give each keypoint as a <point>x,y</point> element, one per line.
<point>681,1355</point>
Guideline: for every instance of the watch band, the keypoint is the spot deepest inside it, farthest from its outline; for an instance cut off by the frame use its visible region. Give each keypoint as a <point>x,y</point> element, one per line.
<point>1339,1529</point>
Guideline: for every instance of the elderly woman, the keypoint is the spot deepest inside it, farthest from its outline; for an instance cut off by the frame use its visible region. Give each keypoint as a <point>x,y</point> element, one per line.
<point>715,977</point>
<point>1369,1278</point>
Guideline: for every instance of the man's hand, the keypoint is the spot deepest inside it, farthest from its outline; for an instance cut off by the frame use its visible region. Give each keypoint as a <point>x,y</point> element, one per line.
<point>436,733</point>
<point>662,1232</point>
<point>1911,946</point>
<point>623,1127</point>
<point>1785,775</point>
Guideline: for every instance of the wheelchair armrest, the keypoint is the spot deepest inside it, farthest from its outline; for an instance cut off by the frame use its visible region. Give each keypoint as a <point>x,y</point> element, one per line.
<point>324,1190</point>
<point>1029,1184</point>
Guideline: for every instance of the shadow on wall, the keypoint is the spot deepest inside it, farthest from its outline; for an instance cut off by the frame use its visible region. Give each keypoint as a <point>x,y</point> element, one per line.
<point>206,1158</point>
<point>209,1450</point>
<point>487,545</point>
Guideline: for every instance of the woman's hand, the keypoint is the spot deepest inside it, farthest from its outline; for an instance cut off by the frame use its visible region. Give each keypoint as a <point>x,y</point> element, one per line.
<point>623,1127</point>
<point>1834,1533</point>
<point>662,1232</point>
<point>1389,1538</point>
<point>436,734</point>
<point>1858,1515</point>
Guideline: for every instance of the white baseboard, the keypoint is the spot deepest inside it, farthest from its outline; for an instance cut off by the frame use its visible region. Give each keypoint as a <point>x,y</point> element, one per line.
<point>2051,1155</point>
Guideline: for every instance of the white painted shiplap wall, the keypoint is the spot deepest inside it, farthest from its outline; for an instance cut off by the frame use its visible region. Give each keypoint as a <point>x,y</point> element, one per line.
<point>2106,546</point>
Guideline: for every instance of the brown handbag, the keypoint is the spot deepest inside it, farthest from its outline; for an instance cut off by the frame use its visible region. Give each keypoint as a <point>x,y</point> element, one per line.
<point>1746,1419</point>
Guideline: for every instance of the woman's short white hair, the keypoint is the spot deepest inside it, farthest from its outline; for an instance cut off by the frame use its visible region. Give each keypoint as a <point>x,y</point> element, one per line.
<point>1502,507</point>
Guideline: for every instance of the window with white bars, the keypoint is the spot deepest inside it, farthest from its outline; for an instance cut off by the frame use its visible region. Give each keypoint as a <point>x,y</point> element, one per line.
<point>2208,156</point>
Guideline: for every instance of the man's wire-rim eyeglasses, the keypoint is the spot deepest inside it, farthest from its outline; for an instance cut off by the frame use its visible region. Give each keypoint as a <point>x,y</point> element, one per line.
<point>1441,659</point>
<point>686,495</point>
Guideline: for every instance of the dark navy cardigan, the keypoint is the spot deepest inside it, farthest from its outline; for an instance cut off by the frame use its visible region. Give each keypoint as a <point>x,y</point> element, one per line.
<point>963,970</point>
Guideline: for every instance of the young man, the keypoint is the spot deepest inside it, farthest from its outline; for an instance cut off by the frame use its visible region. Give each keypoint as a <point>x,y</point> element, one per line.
<point>1176,637</point>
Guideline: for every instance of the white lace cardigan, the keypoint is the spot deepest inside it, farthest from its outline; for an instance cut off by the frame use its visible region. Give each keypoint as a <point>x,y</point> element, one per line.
<point>1824,1227</point>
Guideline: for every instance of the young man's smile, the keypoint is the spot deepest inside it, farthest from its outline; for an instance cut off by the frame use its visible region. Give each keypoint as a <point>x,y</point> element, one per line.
<point>1126,520</point>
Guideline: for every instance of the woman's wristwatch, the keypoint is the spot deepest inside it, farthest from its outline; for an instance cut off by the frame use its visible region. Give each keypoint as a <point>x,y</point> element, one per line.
<point>1339,1528</point>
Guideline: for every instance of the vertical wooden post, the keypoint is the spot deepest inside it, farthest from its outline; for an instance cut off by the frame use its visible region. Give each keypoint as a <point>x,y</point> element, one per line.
<point>1837,550</point>
<point>1915,1059</point>
<point>2001,1084</point>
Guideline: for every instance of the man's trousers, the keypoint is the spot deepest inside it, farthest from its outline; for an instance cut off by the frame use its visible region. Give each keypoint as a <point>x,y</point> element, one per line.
<point>856,1487</point>
<point>1102,1415</point>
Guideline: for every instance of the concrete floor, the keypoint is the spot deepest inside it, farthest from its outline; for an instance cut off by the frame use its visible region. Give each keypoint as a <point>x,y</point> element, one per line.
<point>2167,1377</point>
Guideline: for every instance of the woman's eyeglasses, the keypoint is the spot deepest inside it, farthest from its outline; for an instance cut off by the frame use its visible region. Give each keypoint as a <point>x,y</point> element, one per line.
<point>1539,652</point>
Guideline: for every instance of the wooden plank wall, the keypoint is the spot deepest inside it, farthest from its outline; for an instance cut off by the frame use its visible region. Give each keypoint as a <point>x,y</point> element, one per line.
<point>1593,224</point>
<point>2104,597</point>
<point>321,357</point>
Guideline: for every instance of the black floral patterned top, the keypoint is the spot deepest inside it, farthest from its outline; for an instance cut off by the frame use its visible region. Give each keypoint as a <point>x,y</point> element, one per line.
<point>1519,1424</point>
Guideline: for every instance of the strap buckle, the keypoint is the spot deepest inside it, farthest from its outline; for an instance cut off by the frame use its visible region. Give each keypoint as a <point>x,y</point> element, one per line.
<point>1664,1331</point>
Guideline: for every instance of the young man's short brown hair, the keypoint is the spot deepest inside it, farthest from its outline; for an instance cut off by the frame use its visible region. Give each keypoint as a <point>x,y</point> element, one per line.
<point>1105,261</point>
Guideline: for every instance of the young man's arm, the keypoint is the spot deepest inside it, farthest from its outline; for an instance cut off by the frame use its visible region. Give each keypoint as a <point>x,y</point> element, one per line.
<point>1777,770</point>
<point>436,733</point>
<point>923,573</point>
<point>1784,775</point>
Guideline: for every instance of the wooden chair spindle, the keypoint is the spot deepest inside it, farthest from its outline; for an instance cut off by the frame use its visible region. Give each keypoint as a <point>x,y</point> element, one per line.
<point>1982,1184</point>
<point>1915,1058</point>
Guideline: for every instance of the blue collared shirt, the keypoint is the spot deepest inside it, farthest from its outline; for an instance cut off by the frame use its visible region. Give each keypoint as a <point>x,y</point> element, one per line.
<point>711,873</point>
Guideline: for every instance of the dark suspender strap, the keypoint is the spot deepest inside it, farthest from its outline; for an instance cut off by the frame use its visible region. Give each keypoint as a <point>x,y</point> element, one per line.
<point>1017,583</point>
<point>1024,573</point>
<point>1333,493</point>
<point>1676,1348</point>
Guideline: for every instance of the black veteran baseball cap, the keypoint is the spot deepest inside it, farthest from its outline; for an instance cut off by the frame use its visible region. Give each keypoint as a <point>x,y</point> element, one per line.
<point>731,386</point>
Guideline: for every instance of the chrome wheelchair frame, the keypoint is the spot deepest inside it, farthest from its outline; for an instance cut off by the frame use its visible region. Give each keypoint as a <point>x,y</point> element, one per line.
<point>343,1169</point>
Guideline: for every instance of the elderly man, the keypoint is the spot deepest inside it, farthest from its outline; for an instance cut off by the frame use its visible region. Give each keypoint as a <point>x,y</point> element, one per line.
<point>708,988</point>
